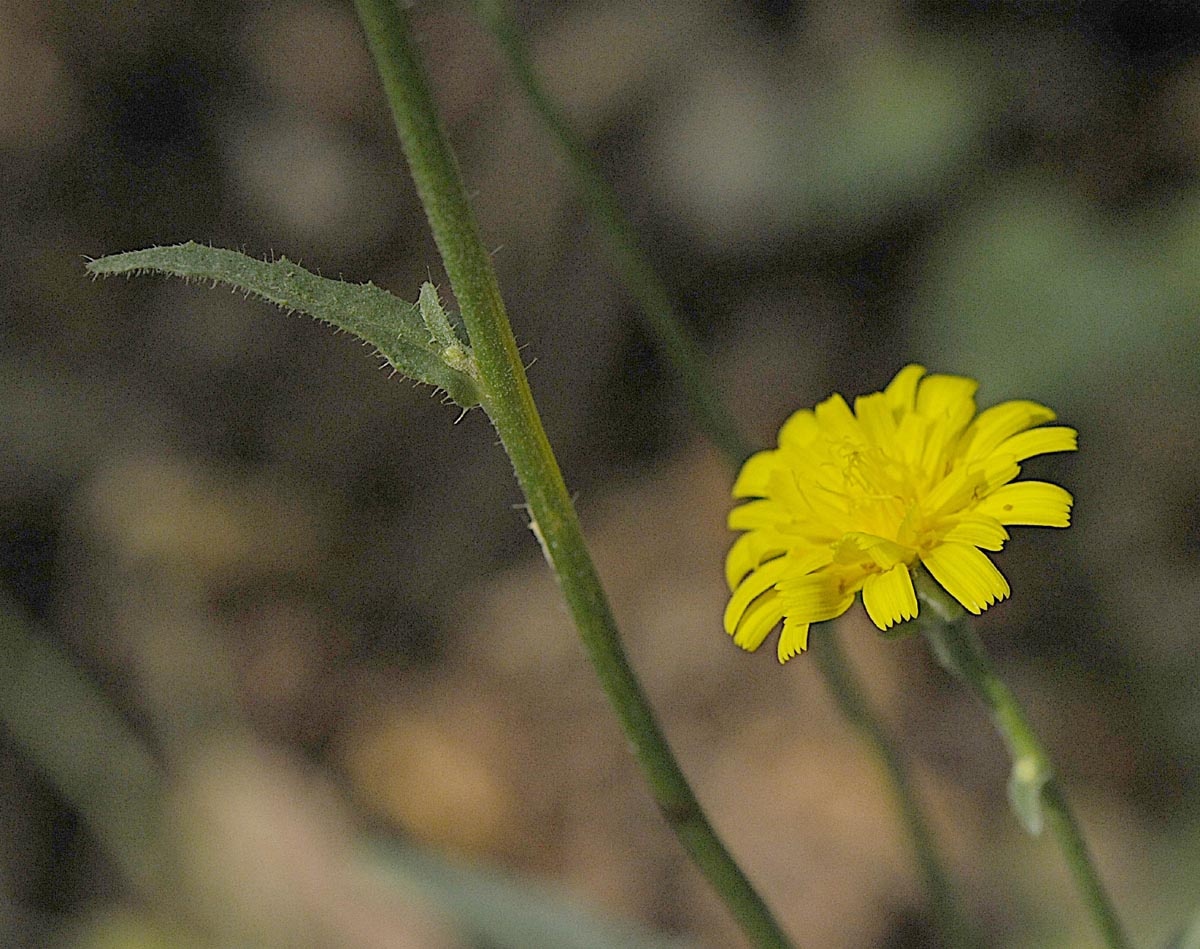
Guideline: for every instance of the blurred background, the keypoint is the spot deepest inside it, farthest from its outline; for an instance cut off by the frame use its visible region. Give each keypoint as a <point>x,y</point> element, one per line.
<point>283,666</point>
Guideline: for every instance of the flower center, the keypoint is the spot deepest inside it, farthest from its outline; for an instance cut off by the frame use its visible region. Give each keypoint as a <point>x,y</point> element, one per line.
<point>881,495</point>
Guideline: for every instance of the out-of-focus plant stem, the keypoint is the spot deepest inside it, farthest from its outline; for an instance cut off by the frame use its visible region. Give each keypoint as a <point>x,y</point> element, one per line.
<point>507,399</point>
<point>83,747</point>
<point>952,924</point>
<point>712,415</point>
<point>1034,792</point>
<point>638,274</point>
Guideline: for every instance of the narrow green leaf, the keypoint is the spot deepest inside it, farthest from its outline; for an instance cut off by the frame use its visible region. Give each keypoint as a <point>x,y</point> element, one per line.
<point>455,353</point>
<point>395,328</point>
<point>435,317</point>
<point>58,718</point>
<point>505,912</point>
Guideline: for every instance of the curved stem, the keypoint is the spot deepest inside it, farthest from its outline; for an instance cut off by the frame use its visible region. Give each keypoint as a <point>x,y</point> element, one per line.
<point>509,403</point>
<point>712,415</point>
<point>1035,794</point>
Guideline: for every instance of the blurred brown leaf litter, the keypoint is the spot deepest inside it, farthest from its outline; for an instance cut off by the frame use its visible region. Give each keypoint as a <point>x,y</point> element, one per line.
<point>308,592</point>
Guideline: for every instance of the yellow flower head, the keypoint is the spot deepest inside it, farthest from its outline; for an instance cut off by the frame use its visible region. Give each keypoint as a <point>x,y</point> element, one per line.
<point>852,501</point>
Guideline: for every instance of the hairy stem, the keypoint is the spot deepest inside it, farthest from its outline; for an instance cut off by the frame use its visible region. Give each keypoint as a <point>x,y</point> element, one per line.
<point>713,417</point>
<point>507,399</point>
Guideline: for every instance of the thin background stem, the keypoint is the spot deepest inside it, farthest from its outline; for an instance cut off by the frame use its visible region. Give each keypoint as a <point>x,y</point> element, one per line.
<point>654,298</point>
<point>952,925</point>
<point>712,415</point>
<point>89,754</point>
<point>509,403</point>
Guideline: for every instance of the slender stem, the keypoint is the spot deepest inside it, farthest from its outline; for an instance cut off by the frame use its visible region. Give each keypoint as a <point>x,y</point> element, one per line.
<point>1035,793</point>
<point>712,415</point>
<point>954,927</point>
<point>507,399</point>
<point>83,748</point>
<point>682,350</point>
<point>1190,937</point>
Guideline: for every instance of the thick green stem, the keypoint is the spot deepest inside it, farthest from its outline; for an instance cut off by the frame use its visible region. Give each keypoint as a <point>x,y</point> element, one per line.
<point>684,353</point>
<point>509,403</point>
<point>1033,790</point>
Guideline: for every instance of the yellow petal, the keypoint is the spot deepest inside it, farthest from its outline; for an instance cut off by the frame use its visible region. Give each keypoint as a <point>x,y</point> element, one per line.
<point>816,597</point>
<point>793,640</point>
<point>947,397</point>
<point>857,547</point>
<point>947,404</point>
<point>1039,441</point>
<point>977,529</point>
<point>793,471</point>
<point>875,417</point>
<point>837,421</point>
<point>902,391</point>
<point>755,514</point>
<point>889,597</point>
<point>966,574</point>
<point>912,431</point>
<point>940,442</point>
<point>763,615</point>
<point>1029,503</point>
<point>752,479</point>
<point>800,429</point>
<point>1002,421</point>
<point>850,549</point>
<point>955,491</point>
<point>997,469</point>
<point>748,551</point>
<point>802,562</point>
<point>750,589</point>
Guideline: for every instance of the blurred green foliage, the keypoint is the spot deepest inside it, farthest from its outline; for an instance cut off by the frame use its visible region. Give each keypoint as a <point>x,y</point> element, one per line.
<point>1039,293</point>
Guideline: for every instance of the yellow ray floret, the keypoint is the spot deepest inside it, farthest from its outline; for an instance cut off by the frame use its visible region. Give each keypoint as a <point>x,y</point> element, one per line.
<point>889,596</point>
<point>853,499</point>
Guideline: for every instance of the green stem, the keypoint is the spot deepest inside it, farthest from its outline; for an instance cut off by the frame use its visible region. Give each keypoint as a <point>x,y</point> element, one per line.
<point>1190,937</point>
<point>1035,794</point>
<point>682,350</point>
<point>88,754</point>
<point>507,399</point>
<point>685,354</point>
<point>953,926</point>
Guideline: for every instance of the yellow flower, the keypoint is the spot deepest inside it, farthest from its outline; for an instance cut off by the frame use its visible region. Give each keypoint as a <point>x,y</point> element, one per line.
<point>853,501</point>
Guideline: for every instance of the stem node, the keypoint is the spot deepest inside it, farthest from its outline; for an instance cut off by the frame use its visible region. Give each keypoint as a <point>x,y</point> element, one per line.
<point>509,403</point>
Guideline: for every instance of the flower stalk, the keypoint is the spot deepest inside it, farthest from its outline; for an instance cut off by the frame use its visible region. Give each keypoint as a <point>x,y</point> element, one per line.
<point>1034,792</point>
<point>712,415</point>
<point>506,397</point>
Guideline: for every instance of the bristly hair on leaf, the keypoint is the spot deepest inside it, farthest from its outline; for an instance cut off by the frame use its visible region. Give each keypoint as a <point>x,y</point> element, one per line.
<point>399,330</point>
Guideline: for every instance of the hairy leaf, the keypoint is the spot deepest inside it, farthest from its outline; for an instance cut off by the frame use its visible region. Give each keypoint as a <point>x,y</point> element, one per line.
<point>395,328</point>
